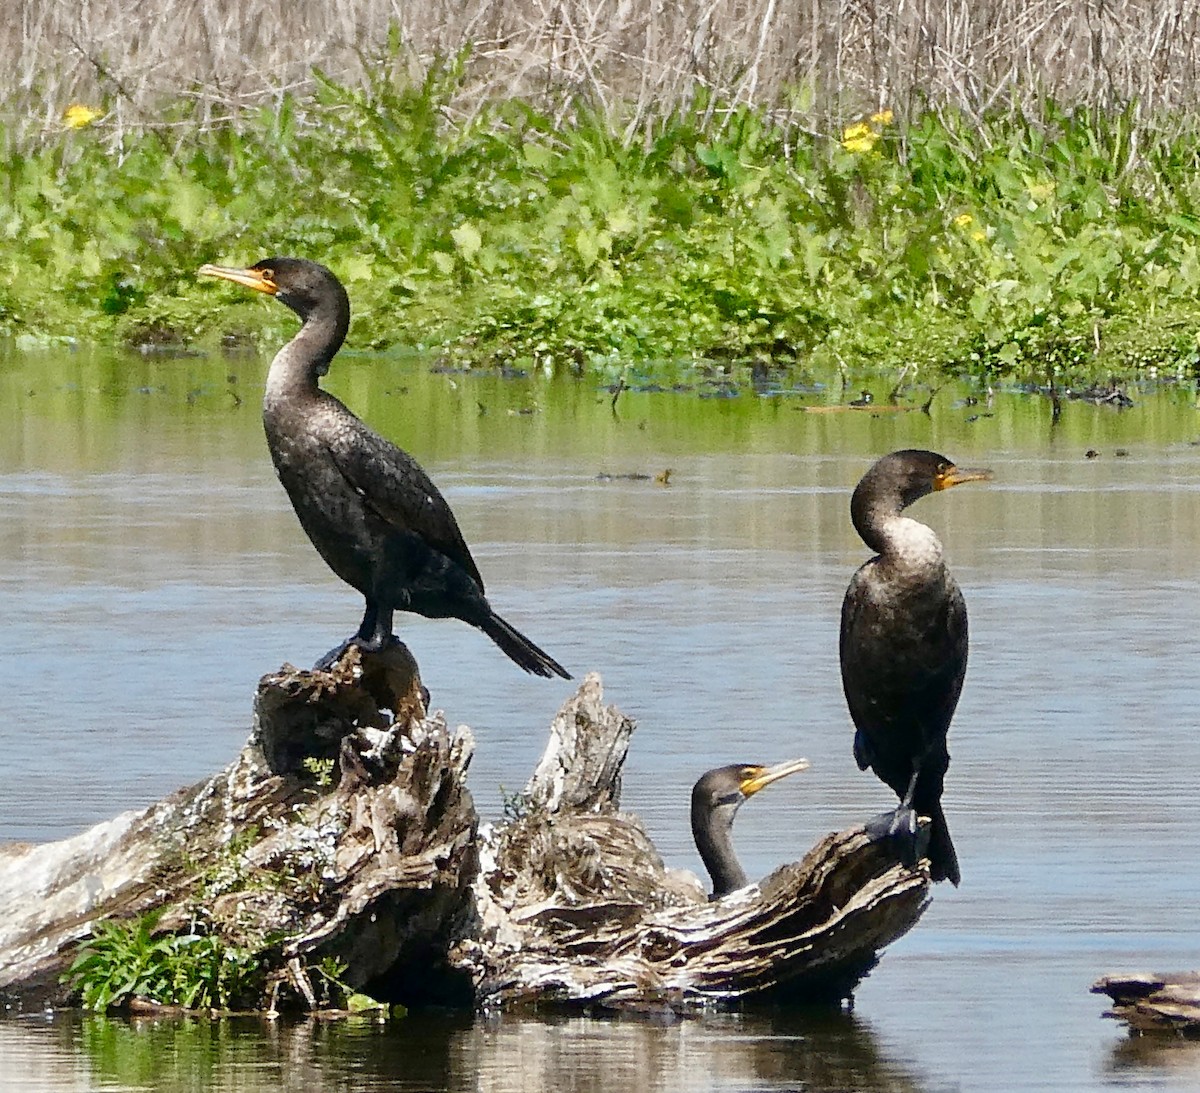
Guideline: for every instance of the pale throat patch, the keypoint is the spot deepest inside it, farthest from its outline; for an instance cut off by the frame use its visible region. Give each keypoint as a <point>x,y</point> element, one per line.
<point>913,543</point>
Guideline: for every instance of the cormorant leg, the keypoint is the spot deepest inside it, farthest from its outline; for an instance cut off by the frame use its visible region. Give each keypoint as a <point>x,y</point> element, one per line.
<point>374,634</point>
<point>903,826</point>
<point>367,627</point>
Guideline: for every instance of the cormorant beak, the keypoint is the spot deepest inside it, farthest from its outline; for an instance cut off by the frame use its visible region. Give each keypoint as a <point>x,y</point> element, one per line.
<point>258,279</point>
<point>764,776</point>
<point>956,476</point>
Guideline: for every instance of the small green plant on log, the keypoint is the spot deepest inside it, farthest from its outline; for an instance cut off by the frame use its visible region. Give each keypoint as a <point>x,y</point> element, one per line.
<point>516,804</point>
<point>321,770</point>
<point>327,979</point>
<point>126,960</point>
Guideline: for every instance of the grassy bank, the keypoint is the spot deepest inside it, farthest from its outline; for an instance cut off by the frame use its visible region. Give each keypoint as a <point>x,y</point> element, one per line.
<point>1007,245</point>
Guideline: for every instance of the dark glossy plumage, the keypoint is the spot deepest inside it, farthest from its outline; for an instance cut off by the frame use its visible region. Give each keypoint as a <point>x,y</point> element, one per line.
<point>903,643</point>
<point>716,797</point>
<point>368,507</point>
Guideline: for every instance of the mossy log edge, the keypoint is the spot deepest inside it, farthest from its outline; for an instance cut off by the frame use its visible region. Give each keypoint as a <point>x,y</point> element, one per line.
<point>344,830</point>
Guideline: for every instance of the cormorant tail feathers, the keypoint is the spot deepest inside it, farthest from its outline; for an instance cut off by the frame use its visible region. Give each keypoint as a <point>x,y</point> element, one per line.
<point>943,861</point>
<point>520,650</point>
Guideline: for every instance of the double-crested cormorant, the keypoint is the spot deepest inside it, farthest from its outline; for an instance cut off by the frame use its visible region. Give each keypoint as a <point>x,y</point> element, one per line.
<point>368,507</point>
<point>904,647</point>
<point>716,798</point>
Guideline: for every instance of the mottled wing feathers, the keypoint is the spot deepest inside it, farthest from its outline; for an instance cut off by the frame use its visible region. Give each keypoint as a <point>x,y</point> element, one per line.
<point>393,485</point>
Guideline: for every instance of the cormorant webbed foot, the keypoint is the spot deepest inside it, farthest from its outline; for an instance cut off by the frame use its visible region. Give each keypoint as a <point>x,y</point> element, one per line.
<point>902,827</point>
<point>335,654</point>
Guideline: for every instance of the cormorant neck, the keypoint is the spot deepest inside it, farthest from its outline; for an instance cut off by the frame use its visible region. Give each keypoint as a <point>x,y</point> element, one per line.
<point>714,839</point>
<point>905,542</point>
<point>299,364</point>
<point>878,518</point>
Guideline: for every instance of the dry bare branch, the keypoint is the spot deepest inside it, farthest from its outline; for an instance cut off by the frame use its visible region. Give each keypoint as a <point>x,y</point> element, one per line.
<point>858,57</point>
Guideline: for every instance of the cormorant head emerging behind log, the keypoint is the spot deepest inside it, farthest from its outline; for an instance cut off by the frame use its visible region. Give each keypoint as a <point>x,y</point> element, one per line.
<point>716,797</point>
<point>904,648</point>
<point>368,507</point>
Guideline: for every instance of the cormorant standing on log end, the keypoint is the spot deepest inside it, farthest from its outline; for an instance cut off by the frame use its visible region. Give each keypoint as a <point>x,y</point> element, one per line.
<point>368,507</point>
<point>716,797</point>
<point>904,648</point>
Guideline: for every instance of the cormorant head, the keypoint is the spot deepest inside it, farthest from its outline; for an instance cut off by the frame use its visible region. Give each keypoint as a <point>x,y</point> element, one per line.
<point>309,289</point>
<point>728,787</point>
<point>716,797</point>
<point>900,478</point>
<point>304,286</point>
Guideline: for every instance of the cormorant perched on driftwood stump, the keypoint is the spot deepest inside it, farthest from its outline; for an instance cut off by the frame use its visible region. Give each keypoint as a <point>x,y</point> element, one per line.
<point>344,831</point>
<point>904,648</point>
<point>370,510</point>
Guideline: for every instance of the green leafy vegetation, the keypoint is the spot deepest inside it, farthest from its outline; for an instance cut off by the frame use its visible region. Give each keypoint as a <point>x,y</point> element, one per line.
<point>321,770</point>
<point>1063,242</point>
<point>125,960</point>
<point>515,803</point>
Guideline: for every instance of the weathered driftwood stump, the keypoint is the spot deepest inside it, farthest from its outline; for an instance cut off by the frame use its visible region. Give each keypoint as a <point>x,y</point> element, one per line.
<point>344,831</point>
<point>577,907</point>
<point>1149,1002</point>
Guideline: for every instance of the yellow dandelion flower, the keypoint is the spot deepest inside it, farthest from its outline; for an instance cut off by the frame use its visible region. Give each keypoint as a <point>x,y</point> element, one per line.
<point>884,117</point>
<point>859,137</point>
<point>861,145</point>
<point>964,220</point>
<point>979,236</point>
<point>77,115</point>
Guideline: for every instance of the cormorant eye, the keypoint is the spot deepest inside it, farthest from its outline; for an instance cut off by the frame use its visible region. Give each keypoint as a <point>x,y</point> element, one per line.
<point>268,275</point>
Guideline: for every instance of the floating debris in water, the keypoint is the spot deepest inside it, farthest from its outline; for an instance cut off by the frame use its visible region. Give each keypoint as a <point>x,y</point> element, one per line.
<point>1102,394</point>
<point>663,478</point>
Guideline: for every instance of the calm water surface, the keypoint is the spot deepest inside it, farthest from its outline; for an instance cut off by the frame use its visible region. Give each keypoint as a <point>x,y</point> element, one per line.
<point>152,570</point>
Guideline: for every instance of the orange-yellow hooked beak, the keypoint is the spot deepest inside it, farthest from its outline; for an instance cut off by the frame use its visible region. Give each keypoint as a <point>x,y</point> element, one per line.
<point>257,279</point>
<point>956,476</point>
<point>764,776</point>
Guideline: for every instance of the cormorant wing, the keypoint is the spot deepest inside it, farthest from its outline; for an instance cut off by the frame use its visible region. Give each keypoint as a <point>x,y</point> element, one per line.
<point>908,678</point>
<point>393,485</point>
<point>852,619</point>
